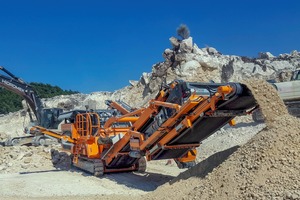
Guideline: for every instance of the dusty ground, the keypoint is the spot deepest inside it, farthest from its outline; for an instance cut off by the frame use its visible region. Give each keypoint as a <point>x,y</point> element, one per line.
<point>28,172</point>
<point>56,183</point>
<point>31,175</point>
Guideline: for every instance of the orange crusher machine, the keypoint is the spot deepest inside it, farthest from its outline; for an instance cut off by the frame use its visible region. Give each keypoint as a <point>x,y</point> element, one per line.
<point>172,126</point>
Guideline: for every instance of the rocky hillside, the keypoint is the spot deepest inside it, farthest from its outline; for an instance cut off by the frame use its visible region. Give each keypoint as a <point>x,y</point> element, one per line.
<point>186,61</point>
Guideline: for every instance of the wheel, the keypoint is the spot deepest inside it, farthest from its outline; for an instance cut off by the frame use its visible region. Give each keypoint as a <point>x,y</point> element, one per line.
<point>15,142</point>
<point>142,165</point>
<point>37,140</point>
<point>42,142</point>
<point>98,168</point>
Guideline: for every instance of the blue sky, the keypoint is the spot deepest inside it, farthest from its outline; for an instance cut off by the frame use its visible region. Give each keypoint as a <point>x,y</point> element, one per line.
<point>96,45</point>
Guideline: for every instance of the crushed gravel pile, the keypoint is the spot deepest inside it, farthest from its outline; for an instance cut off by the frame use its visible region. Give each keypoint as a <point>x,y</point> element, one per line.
<point>267,97</point>
<point>267,167</point>
<point>24,159</point>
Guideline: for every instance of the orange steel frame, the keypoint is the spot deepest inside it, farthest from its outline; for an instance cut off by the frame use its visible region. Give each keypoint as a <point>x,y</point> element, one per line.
<point>164,134</point>
<point>85,143</point>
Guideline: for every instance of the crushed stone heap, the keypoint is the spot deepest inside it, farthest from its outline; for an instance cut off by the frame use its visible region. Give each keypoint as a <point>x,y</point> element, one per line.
<point>268,99</point>
<point>267,167</point>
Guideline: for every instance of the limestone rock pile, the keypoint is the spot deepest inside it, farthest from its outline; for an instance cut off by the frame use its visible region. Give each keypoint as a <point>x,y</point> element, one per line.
<point>186,61</point>
<point>13,124</point>
<point>189,62</point>
<point>24,159</point>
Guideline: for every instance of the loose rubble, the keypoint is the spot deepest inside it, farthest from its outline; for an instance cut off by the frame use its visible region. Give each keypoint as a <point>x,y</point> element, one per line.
<point>23,159</point>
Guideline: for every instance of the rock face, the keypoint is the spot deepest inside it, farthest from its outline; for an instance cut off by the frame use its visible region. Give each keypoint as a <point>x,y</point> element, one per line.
<point>265,55</point>
<point>186,61</point>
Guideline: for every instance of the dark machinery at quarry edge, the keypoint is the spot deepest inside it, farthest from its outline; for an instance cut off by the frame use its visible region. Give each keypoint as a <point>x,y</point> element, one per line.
<point>46,117</point>
<point>49,118</point>
<point>172,126</point>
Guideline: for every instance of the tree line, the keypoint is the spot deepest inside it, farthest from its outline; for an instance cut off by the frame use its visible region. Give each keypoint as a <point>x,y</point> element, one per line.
<point>11,102</point>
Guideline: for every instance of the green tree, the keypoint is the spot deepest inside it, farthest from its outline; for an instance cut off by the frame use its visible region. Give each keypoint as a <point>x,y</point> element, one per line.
<point>11,102</point>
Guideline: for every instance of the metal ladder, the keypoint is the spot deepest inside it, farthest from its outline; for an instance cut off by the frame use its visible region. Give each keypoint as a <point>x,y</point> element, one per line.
<point>76,152</point>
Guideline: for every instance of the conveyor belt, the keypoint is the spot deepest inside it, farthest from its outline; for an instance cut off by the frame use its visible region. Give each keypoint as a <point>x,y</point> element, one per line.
<point>205,126</point>
<point>237,102</point>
